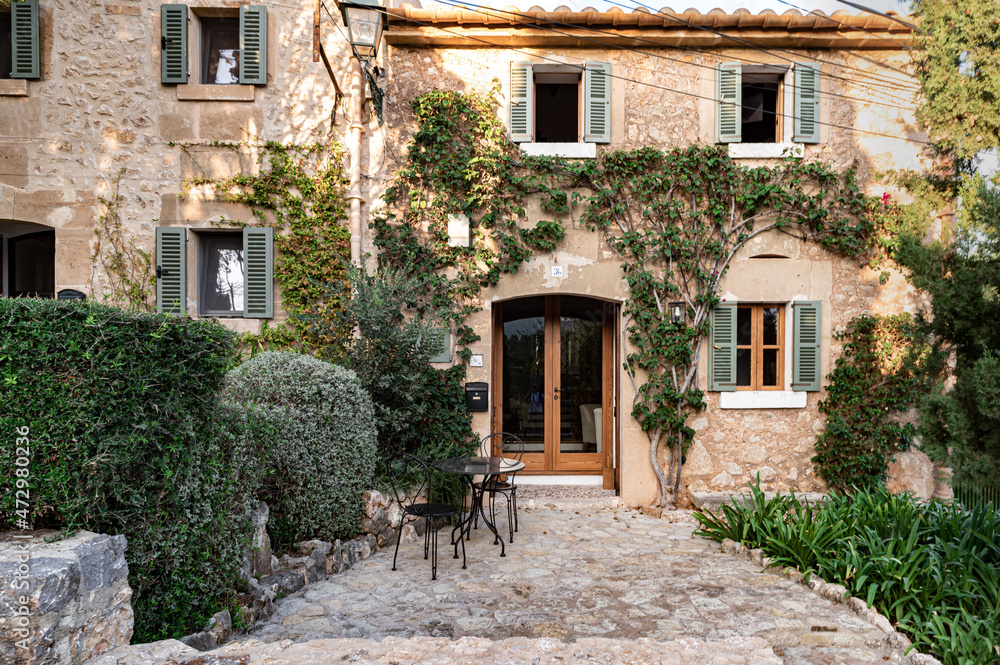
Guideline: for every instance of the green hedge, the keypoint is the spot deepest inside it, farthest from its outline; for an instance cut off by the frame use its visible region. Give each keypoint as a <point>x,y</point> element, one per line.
<point>127,437</point>
<point>322,457</point>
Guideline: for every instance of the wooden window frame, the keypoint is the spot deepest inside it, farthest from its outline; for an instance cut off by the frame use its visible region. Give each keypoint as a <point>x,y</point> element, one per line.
<point>757,346</point>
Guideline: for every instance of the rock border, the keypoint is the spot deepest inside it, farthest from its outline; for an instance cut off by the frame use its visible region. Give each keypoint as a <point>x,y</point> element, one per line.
<point>837,594</point>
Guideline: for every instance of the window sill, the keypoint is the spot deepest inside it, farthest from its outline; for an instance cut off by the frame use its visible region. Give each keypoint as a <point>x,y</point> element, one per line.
<point>569,150</point>
<point>765,150</point>
<point>14,87</point>
<point>196,92</point>
<point>762,399</point>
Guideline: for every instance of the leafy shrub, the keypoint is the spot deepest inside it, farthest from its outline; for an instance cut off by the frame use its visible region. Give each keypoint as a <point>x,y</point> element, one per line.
<point>323,453</point>
<point>870,386</point>
<point>933,570</point>
<point>127,438</point>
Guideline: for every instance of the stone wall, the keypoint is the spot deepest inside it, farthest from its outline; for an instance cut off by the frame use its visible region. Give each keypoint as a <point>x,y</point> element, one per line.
<point>70,597</point>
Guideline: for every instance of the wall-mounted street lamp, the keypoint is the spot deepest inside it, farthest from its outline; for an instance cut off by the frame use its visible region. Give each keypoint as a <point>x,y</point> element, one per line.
<point>365,21</point>
<point>677,312</point>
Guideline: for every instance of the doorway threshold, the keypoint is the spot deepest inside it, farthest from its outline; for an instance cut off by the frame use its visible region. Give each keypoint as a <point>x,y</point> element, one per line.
<point>559,480</point>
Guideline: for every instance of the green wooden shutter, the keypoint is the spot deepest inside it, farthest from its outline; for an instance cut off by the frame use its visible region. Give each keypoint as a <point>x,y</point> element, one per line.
<point>722,349</point>
<point>729,103</point>
<point>26,62</point>
<point>253,44</point>
<point>806,370</point>
<point>806,111</point>
<point>171,270</point>
<point>597,102</point>
<point>258,262</point>
<point>173,43</point>
<point>522,86</point>
<point>445,350</point>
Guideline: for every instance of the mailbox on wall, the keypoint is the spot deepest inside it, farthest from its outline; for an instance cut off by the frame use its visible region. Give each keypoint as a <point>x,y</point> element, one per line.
<point>477,396</point>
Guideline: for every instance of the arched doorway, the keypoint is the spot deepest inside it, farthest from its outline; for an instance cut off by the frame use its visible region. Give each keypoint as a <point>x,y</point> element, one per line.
<point>554,377</point>
<point>28,260</point>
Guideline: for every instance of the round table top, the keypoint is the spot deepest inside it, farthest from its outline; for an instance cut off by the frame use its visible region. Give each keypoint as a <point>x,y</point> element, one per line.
<point>478,466</point>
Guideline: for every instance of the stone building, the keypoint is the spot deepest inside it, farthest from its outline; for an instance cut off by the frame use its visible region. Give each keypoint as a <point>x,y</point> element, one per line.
<point>152,88</point>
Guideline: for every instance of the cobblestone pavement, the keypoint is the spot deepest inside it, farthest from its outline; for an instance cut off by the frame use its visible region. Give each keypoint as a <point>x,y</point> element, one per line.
<point>574,573</point>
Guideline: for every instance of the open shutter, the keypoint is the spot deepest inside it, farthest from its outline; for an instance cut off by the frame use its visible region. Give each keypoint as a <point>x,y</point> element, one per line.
<point>26,62</point>
<point>444,355</point>
<point>597,102</point>
<point>253,44</point>
<point>522,112</point>
<point>806,371</point>
<point>729,103</point>
<point>806,112</point>
<point>171,270</point>
<point>173,43</point>
<point>258,261</point>
<point>722,349</point>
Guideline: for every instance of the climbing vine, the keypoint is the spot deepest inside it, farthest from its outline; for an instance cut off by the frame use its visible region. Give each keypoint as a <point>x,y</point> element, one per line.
<point>298,190</point>
<point>675,219</point>
<point>126,266</point>
<point>871,388</point>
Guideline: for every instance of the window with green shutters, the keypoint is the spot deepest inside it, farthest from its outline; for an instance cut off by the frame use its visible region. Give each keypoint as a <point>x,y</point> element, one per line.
<point>25,54</point>
<point>171,270</point>
<point>258,253</point>
<point>729,102</point>
<point>806,94</point>
<point>597,104</point>
<point>806,365</point>
<point>545,103</point>
<point>722,349</point>
<point>233,49</point>
<point>751,104</point>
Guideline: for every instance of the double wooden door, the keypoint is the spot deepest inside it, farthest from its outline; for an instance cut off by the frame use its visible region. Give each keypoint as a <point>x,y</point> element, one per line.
<point>554,382</point>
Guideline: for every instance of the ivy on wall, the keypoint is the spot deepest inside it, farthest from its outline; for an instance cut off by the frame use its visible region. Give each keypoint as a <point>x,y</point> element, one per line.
<point>299,190</point>
<point>675,218</point>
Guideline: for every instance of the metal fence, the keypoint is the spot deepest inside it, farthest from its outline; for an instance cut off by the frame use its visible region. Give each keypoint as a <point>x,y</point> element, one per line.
<point>970,496</point>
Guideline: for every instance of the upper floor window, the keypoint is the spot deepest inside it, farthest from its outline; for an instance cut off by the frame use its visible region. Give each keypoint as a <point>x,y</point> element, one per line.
<point>228,47</point>
<point>19,45</point>
<point>752,103</point>
<point>560,104</point>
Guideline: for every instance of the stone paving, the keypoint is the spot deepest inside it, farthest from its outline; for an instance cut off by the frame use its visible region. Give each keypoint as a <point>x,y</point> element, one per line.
<point>578,571</point>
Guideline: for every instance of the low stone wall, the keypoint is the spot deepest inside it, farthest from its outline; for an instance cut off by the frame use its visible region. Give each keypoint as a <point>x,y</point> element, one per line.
<point>63,602</point>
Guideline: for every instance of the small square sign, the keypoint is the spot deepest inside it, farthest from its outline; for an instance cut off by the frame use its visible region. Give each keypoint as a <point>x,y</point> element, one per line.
<point>476,360</point>
<point>557,271</point>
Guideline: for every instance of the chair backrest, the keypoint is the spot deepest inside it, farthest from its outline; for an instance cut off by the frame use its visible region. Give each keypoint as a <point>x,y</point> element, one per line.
<point>510,446</point>
<point>410,478</point>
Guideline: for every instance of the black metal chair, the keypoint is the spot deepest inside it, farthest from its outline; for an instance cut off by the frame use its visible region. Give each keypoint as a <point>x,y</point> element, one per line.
<point>509,447</point>
<point>402,469</point>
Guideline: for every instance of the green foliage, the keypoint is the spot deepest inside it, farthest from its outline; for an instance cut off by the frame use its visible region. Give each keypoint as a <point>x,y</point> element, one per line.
<point>127,267</point>
<point>932,569</point>
<point>127,438</point>
<point>418,409</point>
<point>958,66</point>
<point>322,451</point>
<point>959,427</point>
<point>300,191</point>
<point>870,388</point>
<point>675,218</point>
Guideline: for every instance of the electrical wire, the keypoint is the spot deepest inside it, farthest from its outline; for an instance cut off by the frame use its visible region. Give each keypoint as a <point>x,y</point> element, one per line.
<point>746,76</point>
<point>876,12</point>
<point>816,12</point>
<point>757,47</point>
<point>645,83</point>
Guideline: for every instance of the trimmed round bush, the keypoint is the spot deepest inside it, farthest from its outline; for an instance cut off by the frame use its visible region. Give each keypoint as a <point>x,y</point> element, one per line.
<point>323,455</point>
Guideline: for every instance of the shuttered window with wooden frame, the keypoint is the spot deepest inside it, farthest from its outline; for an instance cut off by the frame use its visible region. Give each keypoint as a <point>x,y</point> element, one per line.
<point>250,50</point>
<point>26,62</point>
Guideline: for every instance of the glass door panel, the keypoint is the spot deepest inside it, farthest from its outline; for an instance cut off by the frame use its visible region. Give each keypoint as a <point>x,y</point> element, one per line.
<point>523,401</point>
<point>581,380</point>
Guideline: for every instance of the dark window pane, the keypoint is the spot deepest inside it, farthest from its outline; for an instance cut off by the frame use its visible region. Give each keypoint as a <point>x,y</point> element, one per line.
<point>770,326</point>
<point>524,371</point>
<point>557,112</point>
<point>744,326</point>
<point>220,50</point>
<point>760,108</point>
<point>221,274</point>
<point>770,377</point>
<point>32,265</point>
<point>743,367</point>
<point>6,46</point>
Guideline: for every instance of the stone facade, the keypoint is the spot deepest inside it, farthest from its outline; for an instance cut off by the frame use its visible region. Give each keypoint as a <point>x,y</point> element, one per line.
<point>70,597</point>
<point>99,106</point>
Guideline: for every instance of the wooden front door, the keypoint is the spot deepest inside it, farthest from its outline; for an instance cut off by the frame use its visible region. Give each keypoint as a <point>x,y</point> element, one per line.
<point>553,373</point>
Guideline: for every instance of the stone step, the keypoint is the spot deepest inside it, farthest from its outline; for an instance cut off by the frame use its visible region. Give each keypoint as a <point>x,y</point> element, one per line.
<point>713,501</point>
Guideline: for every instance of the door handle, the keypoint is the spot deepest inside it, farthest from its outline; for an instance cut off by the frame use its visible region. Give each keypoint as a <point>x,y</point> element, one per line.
<point>555,393</point>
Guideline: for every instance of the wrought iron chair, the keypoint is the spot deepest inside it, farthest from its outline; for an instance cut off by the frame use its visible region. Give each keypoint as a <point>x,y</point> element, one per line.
<point>510,447</point>
<point>399,470</point>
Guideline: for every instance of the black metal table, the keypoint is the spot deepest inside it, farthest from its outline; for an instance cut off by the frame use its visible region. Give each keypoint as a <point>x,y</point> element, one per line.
<point>472,467</point>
